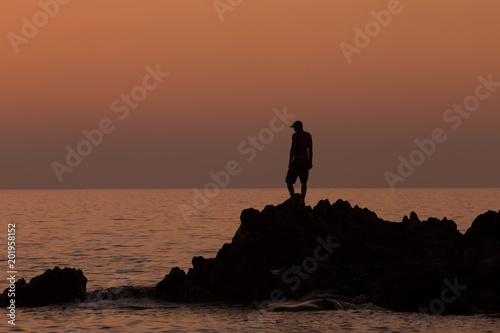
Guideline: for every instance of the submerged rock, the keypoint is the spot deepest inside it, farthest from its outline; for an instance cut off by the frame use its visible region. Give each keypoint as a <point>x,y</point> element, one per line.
<point>312,305</point>
<point>115,293</point>
<point>54,286</point>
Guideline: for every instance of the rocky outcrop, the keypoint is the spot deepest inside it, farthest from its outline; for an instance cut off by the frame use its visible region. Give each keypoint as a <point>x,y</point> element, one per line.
<point>54,286</point>
<point>290,250</point>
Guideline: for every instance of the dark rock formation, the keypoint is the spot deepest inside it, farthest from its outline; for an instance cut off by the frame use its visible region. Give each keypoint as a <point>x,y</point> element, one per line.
<point>53,286</point>
<point>290,250</point>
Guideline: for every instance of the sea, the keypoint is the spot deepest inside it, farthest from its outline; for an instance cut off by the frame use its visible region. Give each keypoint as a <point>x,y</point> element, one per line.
<point>134,237</point>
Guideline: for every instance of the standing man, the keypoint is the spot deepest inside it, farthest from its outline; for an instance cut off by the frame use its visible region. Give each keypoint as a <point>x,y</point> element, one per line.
<point>300,159</point>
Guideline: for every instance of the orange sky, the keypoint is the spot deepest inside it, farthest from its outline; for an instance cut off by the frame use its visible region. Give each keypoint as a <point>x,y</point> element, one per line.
<point>227,76</point>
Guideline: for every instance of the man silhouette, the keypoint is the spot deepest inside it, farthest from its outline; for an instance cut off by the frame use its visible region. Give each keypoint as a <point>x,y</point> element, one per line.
<point>300,159</point>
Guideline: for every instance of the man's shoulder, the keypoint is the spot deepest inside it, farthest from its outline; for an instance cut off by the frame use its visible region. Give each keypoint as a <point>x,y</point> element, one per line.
<point>301,134</point>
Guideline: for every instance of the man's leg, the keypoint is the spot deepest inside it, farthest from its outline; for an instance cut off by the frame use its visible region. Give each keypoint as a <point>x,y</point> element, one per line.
<point>304,176</point>
<point>291,177</point>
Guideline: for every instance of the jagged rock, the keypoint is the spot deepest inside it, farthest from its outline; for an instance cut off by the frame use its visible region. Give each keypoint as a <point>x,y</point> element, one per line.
<point>53,286</point>
<point>290,250</point>
<point>169,288</point>
<point>485,226</point>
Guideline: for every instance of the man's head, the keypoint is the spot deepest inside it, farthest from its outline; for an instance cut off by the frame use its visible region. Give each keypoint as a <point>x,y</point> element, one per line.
<point>297,126</point>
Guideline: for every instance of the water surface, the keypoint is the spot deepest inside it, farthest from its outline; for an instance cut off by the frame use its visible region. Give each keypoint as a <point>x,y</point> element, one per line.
<point>134,237</point>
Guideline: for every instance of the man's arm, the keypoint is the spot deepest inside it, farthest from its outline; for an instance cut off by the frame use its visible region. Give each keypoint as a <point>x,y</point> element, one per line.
<point>292,149</point>
<point>310,150</point>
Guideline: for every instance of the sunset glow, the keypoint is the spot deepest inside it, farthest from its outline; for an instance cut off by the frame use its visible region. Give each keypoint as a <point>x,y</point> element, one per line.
<point>228,68</point>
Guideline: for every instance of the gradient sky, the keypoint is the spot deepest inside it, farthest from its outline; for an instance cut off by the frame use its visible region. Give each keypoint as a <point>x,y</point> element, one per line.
<point>227,76</point>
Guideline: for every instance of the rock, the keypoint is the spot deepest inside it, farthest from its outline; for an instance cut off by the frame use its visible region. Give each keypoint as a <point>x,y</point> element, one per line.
<point>292,250</point>
<point>414,218</point>
<point>236,274</point>
<point>169,288</point>
<point>295,199</point>
<point>420,289</point>
<point>53,286</point>
<point>249,216</point>
<point>198,263</point>
<point>485,226</point>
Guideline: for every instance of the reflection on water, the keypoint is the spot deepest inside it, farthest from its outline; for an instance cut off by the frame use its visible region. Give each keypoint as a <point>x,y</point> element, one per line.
<point>149,316</point>
<point>134,237</point>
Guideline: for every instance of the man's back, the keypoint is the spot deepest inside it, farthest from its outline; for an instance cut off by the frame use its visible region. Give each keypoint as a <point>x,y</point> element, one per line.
<point>301,143</point>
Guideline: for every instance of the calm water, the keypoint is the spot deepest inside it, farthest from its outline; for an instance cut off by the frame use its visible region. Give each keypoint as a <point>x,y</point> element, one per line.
<point>134,237</point>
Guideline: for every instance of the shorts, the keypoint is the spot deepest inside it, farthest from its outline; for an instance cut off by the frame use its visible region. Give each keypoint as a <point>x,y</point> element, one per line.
<point>299,168</point>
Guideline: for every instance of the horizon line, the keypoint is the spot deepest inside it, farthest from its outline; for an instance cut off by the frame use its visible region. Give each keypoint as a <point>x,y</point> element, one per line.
<point>234,188</point>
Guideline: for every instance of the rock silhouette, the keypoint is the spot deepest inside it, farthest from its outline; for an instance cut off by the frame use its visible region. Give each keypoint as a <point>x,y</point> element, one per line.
<point>291,251</point>
<point>54,286</point>
<point>288,251</point>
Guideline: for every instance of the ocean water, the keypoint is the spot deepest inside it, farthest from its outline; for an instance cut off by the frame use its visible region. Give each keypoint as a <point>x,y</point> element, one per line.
<point>134,237</point>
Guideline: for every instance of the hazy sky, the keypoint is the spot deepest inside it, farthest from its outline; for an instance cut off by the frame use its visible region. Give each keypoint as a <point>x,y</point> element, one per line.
<point>367,78</point>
